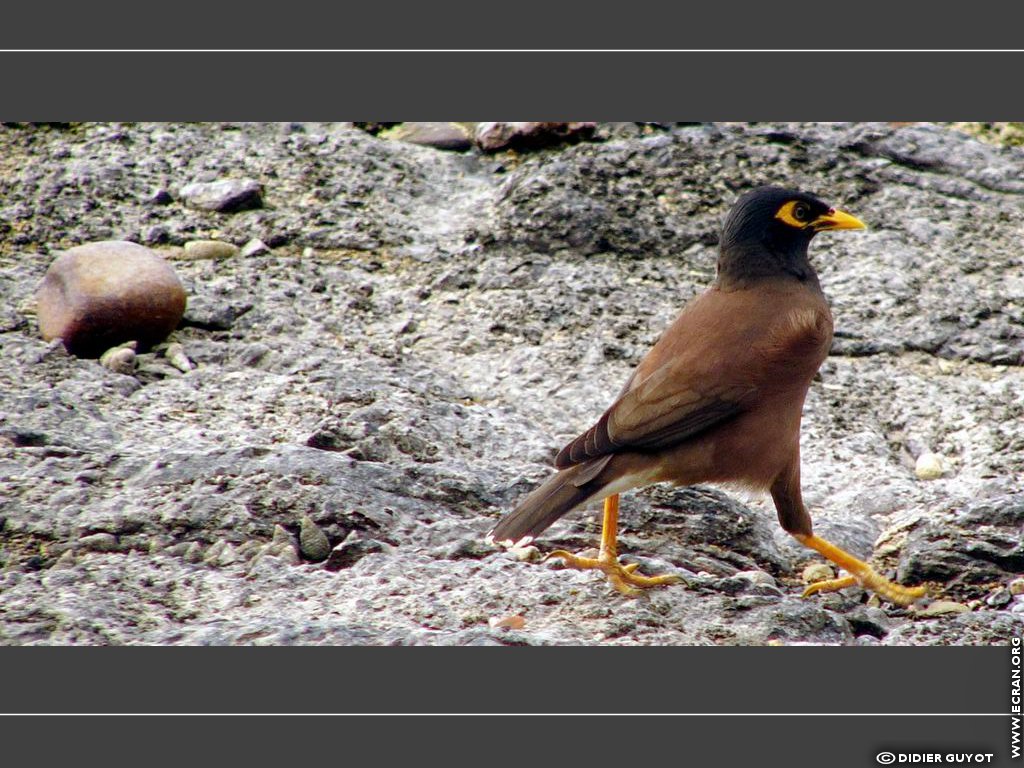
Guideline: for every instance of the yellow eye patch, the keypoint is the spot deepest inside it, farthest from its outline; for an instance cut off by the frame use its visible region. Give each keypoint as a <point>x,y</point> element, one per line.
<point>796,213</point>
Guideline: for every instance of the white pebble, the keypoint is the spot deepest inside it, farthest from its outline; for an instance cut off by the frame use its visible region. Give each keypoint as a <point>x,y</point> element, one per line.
<point>929,466</point>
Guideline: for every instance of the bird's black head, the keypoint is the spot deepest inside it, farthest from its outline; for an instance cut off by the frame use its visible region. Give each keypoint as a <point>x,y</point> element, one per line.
<point>767,232</point>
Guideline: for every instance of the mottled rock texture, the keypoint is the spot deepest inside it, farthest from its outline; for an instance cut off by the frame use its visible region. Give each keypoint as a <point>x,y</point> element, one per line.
<point>427,328</point>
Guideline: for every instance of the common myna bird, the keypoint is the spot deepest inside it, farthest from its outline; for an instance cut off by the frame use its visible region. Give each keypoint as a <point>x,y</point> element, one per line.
<point>719,397</point>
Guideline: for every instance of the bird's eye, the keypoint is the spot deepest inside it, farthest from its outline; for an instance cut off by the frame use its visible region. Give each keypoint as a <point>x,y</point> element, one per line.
<point>801,212</point>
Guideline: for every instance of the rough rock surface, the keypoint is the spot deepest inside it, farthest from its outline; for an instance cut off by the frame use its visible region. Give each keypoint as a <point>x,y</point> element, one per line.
<point>422,333</point>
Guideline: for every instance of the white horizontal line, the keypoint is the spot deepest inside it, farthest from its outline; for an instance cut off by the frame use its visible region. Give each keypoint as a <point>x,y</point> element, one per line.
<point>503,714</point>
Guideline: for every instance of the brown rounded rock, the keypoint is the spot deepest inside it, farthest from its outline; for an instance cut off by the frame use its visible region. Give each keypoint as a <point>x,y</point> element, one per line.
<point>98,295</point>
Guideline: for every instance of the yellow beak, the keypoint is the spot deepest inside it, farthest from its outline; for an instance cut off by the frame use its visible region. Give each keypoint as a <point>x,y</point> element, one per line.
<point>836,219</point>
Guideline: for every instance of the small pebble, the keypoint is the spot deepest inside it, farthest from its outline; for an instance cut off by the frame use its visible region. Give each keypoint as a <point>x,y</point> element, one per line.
<point>929,466</point>
<point>228,555</point>
<point>224,195</point>
<point>248,548</point>
<point>527,554</point>
<point>98,542</point>
<point>120,359</point>
<point>179,549</point>
<point>210,249</point>
<point>450,136</point>
<point>999,598</point>
<point>255,247</point>
<point>160,196</point>
<point>313,542</point>
<point>285,552</point>
<point>507,622</point>
<point>175,354</point>
<point>759,578</point>
<point>212,555</point>
<point>66,560</point>
<point>158,234</point>
<point>941,608</point>
<point>352,550</point>
<point>281,536</point>
<point>194,553</point>
<point>1016,586</point>
<point>816,572</point>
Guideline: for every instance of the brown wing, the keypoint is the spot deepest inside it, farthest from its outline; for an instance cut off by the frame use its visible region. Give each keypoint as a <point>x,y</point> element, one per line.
<point>663,410</point>
<point>707,368</point>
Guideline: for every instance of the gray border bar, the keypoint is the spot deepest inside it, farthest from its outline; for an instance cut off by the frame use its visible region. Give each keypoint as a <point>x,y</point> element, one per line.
<point>505,680</point>
<point>533,24</point>
<point>538,86</point>
<point>808,742</point>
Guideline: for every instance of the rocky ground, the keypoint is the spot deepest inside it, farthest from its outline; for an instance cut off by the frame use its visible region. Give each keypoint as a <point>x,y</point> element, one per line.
<point>424,330</point>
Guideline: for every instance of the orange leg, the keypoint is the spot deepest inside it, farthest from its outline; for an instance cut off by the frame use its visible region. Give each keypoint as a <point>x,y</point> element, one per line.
<point>860,573</point>
<point>622,577</point>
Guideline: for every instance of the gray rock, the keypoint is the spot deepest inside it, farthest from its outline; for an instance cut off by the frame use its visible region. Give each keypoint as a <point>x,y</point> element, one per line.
<point>492,137</point>
<point>254,247</point>
<point>98,542</point>
<point>223,195</point>
<point>120,359</point>
<point>65,561</point>
<point>282,537</point>
<point>175,354</point>
<point>210,249</point>
<point>349,552</point>
<point>999,599</point>
<point>451,136</point>
<point>212,555</point>
<point>967,547</point>
<point>213,315</point>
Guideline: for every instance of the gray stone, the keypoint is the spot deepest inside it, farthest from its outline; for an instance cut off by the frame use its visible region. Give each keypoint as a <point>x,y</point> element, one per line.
<point>349,552</point>
<point>451,136</point>
<point>492,137</point>
<point>210,249</point>
<point>120,359</point>
<point>175,354</point>
<point>968,546</point>
<point>223,195</point>
<point>254,247</point>
<point>999,599</point>
<point>98,542</point>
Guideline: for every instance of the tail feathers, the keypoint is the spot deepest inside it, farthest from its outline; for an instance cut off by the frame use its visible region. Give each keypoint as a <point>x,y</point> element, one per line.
<point>559,494</point>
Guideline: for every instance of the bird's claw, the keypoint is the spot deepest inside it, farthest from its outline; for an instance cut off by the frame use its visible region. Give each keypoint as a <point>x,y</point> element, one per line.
<point>622,577</point>
<point>887,590</point>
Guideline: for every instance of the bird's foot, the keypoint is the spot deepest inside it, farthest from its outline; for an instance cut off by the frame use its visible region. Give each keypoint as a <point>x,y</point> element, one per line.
<point>623,578</point>
<point>887,590</point>
<point>860,573</point>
